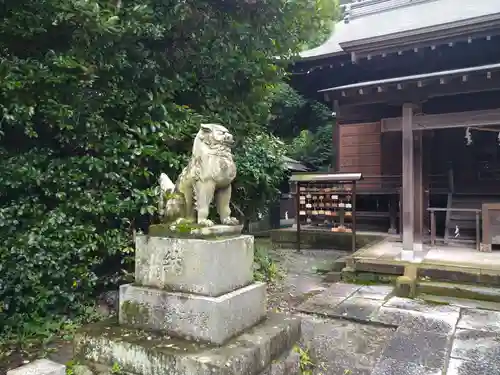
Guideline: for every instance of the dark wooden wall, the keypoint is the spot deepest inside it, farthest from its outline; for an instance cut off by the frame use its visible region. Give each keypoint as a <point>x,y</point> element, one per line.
<point>360,148</point>
<point>392,157</point>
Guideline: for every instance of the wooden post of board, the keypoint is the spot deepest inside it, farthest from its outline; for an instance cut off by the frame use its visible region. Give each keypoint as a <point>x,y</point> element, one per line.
<point>408,202</point>
<point>353,213</point>
<point>297,203</point>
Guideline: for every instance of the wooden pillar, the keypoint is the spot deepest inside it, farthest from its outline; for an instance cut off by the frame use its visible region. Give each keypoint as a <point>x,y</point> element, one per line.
<point>408,202</point>
<point>418,190</point>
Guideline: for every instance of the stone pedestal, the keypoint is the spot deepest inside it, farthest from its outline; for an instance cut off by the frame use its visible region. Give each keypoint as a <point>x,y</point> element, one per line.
<point>193,309</point>
<point>191,316</point>
<point>204,267</point>
<point>192,288</point>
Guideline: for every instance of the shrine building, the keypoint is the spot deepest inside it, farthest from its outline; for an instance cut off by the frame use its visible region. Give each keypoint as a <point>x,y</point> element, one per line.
<point>415,88</point>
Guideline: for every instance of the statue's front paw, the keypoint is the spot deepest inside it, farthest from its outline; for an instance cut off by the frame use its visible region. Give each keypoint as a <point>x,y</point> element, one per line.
<point>231,221</point>
<point>206,223</point>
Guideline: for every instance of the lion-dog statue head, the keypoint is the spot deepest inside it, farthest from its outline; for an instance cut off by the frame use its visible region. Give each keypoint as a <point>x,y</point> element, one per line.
<point>212,147</point>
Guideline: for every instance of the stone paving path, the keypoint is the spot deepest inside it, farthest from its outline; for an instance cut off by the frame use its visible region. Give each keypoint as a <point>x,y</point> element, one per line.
<point>301,278</point>
<point>364,330</point>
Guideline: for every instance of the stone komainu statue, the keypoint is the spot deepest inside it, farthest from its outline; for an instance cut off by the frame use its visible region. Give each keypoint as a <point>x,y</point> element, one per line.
<point>208,176</point>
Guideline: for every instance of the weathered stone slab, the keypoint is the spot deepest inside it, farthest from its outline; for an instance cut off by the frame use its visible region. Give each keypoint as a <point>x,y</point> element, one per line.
<point>152,353</point>
<point>378,292</point>
<point>288,364</point>
<point>326,302</point>
<point>478,346</point>
<point>440,323</point>
<point>211,319</point>
<point>207,267</point>
<point>390,366</point>
<point>340,362</point>
<point>86,370</point>
<point>480,320</point>
<point>39,367</point>
<point>343,347</point>
<point>425,349</point>
<point>461,367</point>
<point>357,308</point>
<point>421,306</point>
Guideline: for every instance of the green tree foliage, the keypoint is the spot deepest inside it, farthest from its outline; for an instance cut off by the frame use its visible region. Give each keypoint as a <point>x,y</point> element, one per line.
<point>305,125</point>
<point>329,13</point>
<point>98,97</point>
<point>315,148</point>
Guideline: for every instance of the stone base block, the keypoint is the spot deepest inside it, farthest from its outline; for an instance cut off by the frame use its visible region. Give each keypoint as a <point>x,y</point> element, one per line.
<point>147,353</point>
<point>40,367</point>
<point>208,267</point>
<point>485,248</point>
<point>189,316</point>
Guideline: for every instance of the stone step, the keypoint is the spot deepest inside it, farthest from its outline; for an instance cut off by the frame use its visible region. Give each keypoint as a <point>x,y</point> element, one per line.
<point>460,302</point>
<point>471,292</point>
<point>462,240</point>
<point>457,274</point>
<point>151,353</point>
<point>379,266</point>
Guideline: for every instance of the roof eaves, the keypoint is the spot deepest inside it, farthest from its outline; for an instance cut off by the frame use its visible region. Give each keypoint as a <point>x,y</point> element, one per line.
<point>416,77</point>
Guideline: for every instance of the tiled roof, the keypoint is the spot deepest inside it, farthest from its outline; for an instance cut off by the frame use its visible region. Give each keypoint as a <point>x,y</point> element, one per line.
<point>372,19</point>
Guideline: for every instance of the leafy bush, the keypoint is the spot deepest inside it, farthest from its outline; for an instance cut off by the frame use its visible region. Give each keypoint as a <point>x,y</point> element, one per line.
<point>98,97</point>
<point>265,268</point>
<point>260,165</point>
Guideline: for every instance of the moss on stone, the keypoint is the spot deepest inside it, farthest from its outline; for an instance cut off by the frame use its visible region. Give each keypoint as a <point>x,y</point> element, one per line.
<point>165,229</point>
<point>134,313</point>
<point>184,230</point>
<point>405,287</point>
<point>349,275</point>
